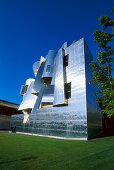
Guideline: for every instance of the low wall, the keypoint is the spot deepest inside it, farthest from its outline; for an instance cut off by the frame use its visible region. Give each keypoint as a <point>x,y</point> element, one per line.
<point>4,122</point>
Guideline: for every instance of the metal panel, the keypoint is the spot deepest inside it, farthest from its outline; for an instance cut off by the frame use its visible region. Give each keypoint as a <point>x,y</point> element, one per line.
<point>36,66</point>
<point>94,119</point>
<point>39,98</point>
<point>38,80</point>
<point>59,96</point>
<point>28,98</point>
<point>49,62</point>
<point>45,96</point>
<point>65,45</point>
<point>48,95</point>
<point>54,72</point>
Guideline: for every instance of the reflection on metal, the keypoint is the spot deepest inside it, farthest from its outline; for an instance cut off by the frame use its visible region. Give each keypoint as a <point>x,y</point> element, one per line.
<point>38,101</point>
<point>49,67</point>
<point>60,101</point>
<point>48,95</point>
<point>38,80</point>
<point>36,66</point>
<point>29,99</point>
<point>26,117</point>
<point>59,96</point>
<point>65,45</point>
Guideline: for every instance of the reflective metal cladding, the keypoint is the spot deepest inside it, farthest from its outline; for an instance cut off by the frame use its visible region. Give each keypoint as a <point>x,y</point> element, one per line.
<point>60,101</point>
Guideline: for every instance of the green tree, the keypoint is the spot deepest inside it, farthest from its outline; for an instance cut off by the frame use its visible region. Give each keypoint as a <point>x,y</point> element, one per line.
<point>103,66</point>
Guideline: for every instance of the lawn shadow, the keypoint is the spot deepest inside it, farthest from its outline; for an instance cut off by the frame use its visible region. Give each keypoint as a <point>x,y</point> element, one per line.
<point>22,159</point>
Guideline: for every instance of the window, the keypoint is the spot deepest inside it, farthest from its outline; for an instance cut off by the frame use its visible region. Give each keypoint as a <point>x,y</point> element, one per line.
<point>48,69</point>
<point>26,87</point>
<point>65,60</point>
<point>23,89</point>
<point>68,90</point>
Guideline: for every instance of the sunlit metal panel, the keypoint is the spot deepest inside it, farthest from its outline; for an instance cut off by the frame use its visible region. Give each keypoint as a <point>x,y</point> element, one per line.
<point>49,65</point>
<point>38,80</point>
<point>59,95</point>
<point>94,120</point>
<point>38,100</point>
<point>28,98</point>
<point>65,45</point>
<point>48,95</point>
<point>23,89</point>
<point>36,66</point>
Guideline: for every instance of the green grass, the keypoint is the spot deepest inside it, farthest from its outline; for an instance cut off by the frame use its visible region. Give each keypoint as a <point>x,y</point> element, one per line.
<point>32,152</point>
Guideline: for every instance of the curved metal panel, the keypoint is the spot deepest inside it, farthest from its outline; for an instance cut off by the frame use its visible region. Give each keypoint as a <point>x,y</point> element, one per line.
<point>36,66</point>
<point>48,69</point>
<point>54,72</point>
<point>48,95</point>
<point>28,98</point>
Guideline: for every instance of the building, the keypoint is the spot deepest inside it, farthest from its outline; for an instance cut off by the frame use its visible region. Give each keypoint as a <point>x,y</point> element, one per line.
<point>6,110</point>
<point>60,101</point>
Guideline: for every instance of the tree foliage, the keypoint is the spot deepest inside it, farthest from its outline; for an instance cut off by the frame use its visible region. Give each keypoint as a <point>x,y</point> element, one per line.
<point>103,66</point>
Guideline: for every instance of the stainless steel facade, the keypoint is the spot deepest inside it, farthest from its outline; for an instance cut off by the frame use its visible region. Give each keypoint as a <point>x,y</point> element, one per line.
<point>65,106</point>
<point>59,96</point>
<point>49,65</point>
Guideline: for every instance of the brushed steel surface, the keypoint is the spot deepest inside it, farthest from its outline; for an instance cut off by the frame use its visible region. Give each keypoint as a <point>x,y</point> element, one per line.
<point>65,45</point>
<point>38,80</point>
<point>39,98</point>
<point>36,66</point>
<point>48,95</point>
<point>94,120</point>
<point>28,98</point>
<point>59,96</point>
<point>49,62</point>
<point>81,117</point>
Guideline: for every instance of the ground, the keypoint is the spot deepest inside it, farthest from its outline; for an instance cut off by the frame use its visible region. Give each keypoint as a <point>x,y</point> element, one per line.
<point>20,152</point>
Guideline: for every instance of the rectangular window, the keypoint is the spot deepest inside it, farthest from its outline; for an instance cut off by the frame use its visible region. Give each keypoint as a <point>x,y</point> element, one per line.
<point>48,69</point>
<point>65,60</point>
<point>26,87</point>
<point>23,89</point>
<point>68,90</point>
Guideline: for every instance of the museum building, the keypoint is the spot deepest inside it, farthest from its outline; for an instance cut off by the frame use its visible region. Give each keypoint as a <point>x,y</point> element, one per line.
<point>60,101</point>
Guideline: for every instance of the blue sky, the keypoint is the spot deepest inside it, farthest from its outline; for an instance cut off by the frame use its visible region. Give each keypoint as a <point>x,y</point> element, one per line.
<point>29,28</point>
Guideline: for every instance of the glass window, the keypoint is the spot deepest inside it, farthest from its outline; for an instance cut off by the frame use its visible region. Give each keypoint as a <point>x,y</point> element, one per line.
<point>65,60</point>
<point>68,90</point>
<point>48,68</point>
<point>26,87</point>
<point>23,89</point>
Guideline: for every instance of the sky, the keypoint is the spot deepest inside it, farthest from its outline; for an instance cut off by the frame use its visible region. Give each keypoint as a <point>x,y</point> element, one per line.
<point>29,28</point>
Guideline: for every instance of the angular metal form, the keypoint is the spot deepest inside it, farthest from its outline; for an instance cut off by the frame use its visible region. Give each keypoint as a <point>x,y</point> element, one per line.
<point>64,104</point>
<point>59,96</point>
<point>36,66</point>
<point>29,99</point>
<point>49,67</point>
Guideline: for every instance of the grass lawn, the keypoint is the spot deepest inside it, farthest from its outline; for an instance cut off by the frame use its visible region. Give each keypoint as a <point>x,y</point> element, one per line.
<point>32,152</point>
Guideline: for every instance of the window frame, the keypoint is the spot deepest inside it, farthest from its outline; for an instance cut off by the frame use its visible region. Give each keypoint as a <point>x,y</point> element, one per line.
<point>48,69</point>
<point>68,90</point>
<point>65,60</point>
